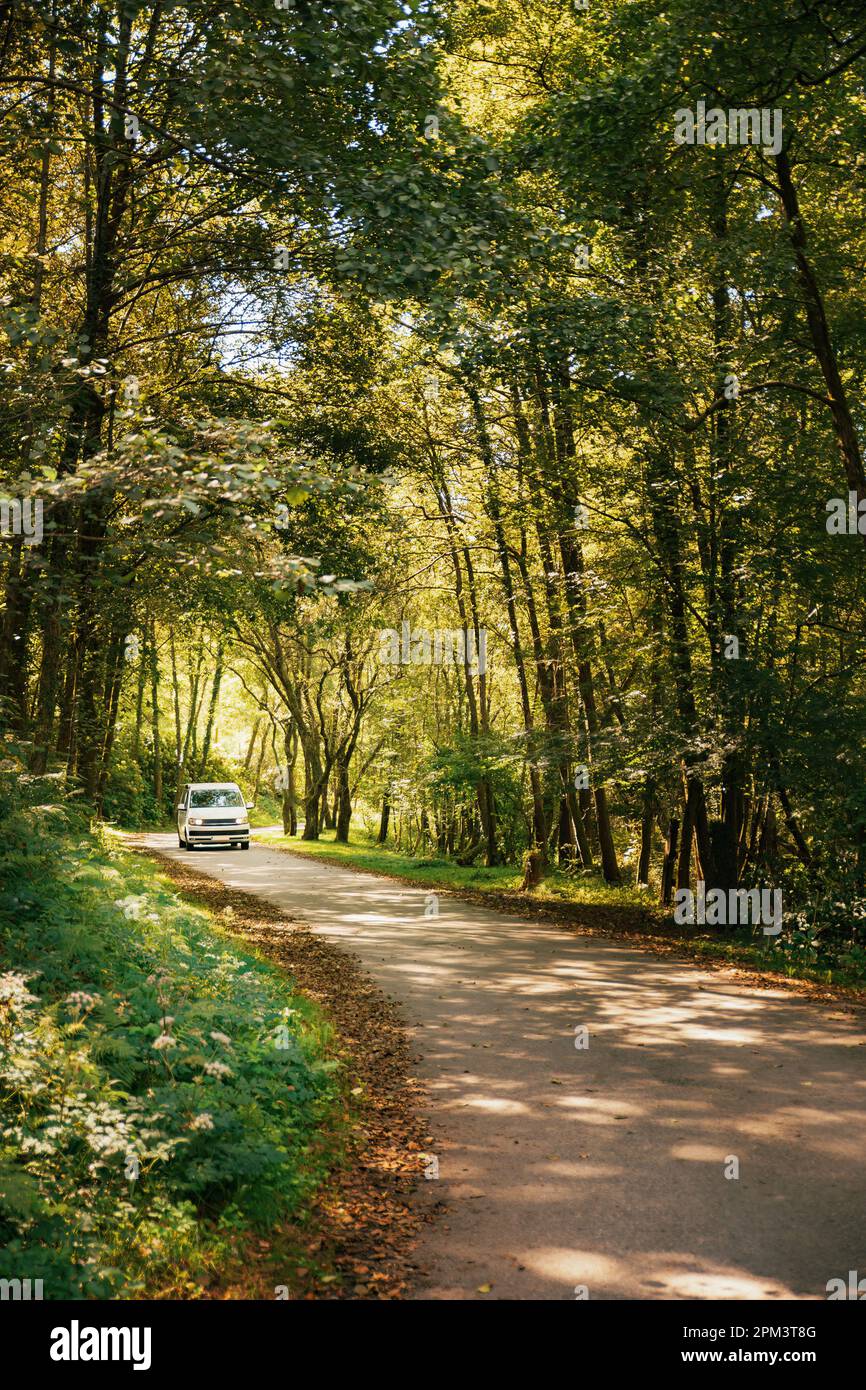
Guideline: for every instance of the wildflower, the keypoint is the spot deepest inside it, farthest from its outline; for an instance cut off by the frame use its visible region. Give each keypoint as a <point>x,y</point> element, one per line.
<point>221,1038</point>
<point>202,1121</point>
<point>13,990</point>
<point>217,1069</point>
<point>130,906</point>
<point>163,1041</point>
<point>78,1001</point>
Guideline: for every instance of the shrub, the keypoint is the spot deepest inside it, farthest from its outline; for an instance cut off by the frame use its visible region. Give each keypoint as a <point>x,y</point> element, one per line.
<point>158,1084</point>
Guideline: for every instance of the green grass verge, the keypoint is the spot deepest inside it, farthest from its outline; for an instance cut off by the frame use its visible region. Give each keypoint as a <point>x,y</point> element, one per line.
<point>162,1089</point>
<point>363,853</point>
<point>586,900</point>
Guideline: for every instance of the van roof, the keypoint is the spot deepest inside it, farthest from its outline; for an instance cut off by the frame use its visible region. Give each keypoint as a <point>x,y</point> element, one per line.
<point>199,786</point>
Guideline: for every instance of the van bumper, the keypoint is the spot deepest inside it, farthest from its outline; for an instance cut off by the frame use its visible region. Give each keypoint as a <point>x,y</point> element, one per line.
<point>221,834</point>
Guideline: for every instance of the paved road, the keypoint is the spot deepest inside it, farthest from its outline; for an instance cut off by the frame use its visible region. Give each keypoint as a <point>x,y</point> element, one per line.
<point>603,1166</point>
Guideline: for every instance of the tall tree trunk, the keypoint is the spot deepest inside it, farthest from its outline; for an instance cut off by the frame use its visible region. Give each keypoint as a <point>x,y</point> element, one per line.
<point>662,486</point>
<point>211,713</point>
<point>343,803</point>
<point>494,511</point>
<point>154,706</point>
<point>384,818</point>
<point>112,163</point>
<point>139,701</point>
<point>195,682</point>
<point>684,871</point>
<point>258,777</point>
<point>646,831</point>
<point>722,608</point>
<point>566,499</point>
<point>315,780</point>
<point>289,807</point>
<point>49,674</point>
<point>477,712</point>
<point>669,865</point>
<point>16,615</point>
<point>819,331</point>
<point>252,743</point>
<point>114,686</point>
<point>549,656</point>
<point>178,726</point>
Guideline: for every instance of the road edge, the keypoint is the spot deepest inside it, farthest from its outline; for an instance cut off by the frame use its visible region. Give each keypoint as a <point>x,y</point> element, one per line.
<point>368,1214</point>
<point>562,917</point>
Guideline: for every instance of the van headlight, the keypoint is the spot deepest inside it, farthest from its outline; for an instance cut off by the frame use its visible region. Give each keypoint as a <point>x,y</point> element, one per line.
<point>196,820</point>
<point>240,820</point>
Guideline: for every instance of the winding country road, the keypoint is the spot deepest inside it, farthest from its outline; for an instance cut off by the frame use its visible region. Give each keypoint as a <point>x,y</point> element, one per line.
<point>602,1167</point>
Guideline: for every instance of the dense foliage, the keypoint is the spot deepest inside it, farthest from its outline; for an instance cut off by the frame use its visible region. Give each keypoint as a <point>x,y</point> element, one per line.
<point>402,314</point>
<point>160,1089</point>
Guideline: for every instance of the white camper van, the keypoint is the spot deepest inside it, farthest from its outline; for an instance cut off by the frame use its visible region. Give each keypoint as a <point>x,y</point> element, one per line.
<point>213,813</point>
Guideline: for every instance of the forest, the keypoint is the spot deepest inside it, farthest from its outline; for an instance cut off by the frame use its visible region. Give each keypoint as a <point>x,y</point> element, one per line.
<point>445,419</point>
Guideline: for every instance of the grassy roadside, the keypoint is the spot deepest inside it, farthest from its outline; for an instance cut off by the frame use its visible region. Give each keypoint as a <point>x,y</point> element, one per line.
<point>357,1238</point>
<point>167,1095</point>
<point>585,904</point>
<point>364,853</point>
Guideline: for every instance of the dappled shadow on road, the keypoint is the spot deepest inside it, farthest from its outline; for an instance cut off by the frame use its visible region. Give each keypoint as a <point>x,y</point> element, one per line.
<point>605,1166</point>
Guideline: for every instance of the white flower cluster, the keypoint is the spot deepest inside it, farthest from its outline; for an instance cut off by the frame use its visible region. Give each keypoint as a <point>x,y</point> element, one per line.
<point>133,906</point>
<point>202,1121</point>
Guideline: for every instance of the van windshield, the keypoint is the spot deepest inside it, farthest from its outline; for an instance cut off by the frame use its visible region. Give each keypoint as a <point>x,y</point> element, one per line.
<point>216,796</point>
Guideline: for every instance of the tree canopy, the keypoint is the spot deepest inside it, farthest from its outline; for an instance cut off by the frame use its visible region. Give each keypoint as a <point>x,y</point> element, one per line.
<point>423,430</point>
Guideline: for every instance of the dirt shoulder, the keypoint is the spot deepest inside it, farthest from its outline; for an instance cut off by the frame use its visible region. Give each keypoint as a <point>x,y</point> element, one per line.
<point>357,1241</point>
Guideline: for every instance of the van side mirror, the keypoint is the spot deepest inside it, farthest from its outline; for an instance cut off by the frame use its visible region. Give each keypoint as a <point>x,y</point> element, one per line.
<point>180,805</point>
<point>250,805</point>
